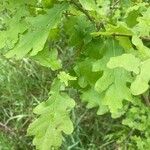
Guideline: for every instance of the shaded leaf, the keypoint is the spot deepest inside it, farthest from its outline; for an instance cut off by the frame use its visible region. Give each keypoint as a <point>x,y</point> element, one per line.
<point>48,58</point>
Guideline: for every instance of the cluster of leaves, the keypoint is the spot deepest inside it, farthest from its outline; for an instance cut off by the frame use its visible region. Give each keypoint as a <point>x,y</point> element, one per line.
<point>105,44</point>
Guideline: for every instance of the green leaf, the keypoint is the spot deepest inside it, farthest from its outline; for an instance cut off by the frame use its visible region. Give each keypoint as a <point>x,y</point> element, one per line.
<point>117,92</point>
<point>126,61</point>
<point>131,63</point>
<point>94,99</point>
<point>144,51</point>
<point>143,26</point>
<point>78,29</point>
<point>93,49</point>
<point>34,40</point>
<point>48,58</point>
<point>88,5</point>
<point>13,22</point>
<point>48,3</point>
<point>101,7</point>
<point>84,72</point>
<point>65,77</point>
<point>132,14</point>
<point>53,119</point>
<point>113,82</point>
<point>115,89</point>
<point>141,83</point>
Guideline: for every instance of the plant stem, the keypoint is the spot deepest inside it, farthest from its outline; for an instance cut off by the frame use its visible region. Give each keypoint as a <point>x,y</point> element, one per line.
<point>144,38</point>
<point>146,99</point>
<point>82,10</point>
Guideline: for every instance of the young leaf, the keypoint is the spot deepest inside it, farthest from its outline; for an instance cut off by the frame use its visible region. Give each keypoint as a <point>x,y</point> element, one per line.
<point>53,119</point>
<point>126,61</point>
<point>144,51</point>
<point>131,63</point>
<point>115,89</point>
<point>65,77</point>
<point>140,85</point>
<point>113,82</point>
<point>88,5</point>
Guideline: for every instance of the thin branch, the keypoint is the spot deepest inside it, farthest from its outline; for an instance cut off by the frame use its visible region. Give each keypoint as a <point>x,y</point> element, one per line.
<point>121,34</point>
<point>146,99</point>
<point>101,25</point>
<point>82,10</point>
<point>144,38</point>
<point>115,4</point>
<point>69,14</point>
<point>98,25</point>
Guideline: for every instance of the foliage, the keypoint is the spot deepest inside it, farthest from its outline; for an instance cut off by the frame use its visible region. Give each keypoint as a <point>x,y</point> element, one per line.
<point>53,120</point>
<point>102,43</point>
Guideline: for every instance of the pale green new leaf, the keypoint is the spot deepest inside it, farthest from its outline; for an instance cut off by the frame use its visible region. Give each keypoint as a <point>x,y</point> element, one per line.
<point>88,5</point>
<point>53,119</point>
<point>107,78</point>
<point>143,26</point>
<point>126,61</point>
<point>65,77</point>
<point>141,83</point>
<point>131,63</point>
<point>113,82</point>
<point>117,92</point>
<point>101,7</point>
<point>144,51</point>
<point>104,7</point>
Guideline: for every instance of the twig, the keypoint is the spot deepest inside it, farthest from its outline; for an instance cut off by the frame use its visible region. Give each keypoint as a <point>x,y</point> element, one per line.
<point>114,4</point>
<point>144,38</point>
<point>82,10</point>
<point>106,144</point>
<point>146,99</point>
<point>6,129</point>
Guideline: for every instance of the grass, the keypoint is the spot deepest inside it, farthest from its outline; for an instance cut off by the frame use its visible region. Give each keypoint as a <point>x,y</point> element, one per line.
<point>23,85</point>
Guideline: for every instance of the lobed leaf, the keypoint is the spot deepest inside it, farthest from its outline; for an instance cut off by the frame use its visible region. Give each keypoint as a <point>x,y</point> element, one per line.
<point>35,38</point>
<point>126,61</point>
<point>141,83</point>
<point>53,119</point>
